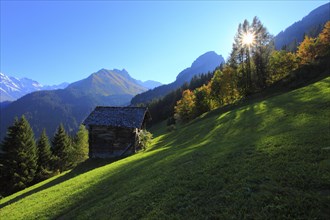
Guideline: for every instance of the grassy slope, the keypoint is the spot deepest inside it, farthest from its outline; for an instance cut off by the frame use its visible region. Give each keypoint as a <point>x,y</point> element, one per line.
<point>266,160</point>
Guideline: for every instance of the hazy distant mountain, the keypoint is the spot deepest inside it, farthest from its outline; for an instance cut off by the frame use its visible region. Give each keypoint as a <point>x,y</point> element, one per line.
<point>108,82</point>
<point>54,87</point>
<point>311,25</point>
<point>203,64</point>
<point>70,106</point>
<point>12,88</point>
<point>149,84</point>
<point>4,104</point>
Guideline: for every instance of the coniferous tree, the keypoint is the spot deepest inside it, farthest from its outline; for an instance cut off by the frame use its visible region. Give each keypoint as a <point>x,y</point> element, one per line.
<point>307,50</point>
<point>62,149</point>
<point>44,151</point>
<point>261,51</point>
<point>81,145</point>
<point>250,53</point>
<point>44,157</point>
<point>19,157</point>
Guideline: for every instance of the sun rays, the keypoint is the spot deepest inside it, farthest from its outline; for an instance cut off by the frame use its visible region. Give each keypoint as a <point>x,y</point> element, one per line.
<point>248,39</point>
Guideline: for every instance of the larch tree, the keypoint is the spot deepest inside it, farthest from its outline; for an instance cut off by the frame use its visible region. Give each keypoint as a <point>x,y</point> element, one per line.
<point>216,88</point>
<point>323,41</point>
<point>203,101</point>
<point>307,50</point>
<point>185,107</point>
<point>281,63</point>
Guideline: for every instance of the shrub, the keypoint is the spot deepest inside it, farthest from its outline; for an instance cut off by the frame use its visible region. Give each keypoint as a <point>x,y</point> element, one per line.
<point>144,138</point>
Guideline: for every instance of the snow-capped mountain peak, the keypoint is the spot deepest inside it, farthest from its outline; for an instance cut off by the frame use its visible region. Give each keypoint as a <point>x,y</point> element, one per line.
<point>12,88</point>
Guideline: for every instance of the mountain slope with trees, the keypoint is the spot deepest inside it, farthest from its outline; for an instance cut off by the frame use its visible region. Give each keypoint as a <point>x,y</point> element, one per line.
<point>205,63</point>
<point>25,161</point>
<point>311,25</point>
<point>70,106</point>
<point>266,159</point>
<point>253,68</point>
<point>249,143</point>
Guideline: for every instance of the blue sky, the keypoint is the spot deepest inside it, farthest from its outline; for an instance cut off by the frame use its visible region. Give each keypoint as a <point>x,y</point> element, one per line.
<point>65,41</point>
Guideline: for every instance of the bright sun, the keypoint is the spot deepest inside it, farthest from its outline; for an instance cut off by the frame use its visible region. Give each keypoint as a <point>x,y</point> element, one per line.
<point>248,39</point>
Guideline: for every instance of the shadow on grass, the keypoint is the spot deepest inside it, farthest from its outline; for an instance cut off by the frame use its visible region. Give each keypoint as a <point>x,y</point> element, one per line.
<point>203,162</point>
<point>83,167</point>
<point>296,80</point>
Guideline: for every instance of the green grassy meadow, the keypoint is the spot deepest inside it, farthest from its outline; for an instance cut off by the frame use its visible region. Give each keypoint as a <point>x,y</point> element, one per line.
<point>269,159</point>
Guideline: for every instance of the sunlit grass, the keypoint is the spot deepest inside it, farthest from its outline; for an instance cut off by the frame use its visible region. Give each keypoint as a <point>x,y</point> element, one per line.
<point>266,160</point>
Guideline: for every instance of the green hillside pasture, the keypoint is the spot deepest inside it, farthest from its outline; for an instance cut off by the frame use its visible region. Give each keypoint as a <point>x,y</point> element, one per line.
<point>266,160</point>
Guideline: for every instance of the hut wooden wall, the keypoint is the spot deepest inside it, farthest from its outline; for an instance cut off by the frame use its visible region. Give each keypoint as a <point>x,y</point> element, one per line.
<point>105,142</point>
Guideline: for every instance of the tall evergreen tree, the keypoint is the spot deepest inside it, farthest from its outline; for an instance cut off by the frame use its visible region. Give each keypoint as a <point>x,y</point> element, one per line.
<point>44,151</point>
<point>261,51</point>
<point>62,149</point>
<point>250,53</point>
<point>19,157</point>
<point>44,157</point>
<point>81,145</point>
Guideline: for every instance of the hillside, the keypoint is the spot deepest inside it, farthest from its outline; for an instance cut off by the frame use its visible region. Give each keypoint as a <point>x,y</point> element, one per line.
<point>268,159</point>
<point>310,25</point>
<point>203,64</point>
<point>108,82</point>
<point>71,105</point>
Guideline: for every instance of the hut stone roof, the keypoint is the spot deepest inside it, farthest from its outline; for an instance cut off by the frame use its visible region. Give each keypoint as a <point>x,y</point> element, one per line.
<point>126,117</point>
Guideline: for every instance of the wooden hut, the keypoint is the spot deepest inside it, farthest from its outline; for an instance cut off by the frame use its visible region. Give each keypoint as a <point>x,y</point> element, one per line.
<point>113,130</point>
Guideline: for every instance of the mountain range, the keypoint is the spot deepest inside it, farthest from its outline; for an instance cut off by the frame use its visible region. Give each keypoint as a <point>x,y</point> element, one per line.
<point>205,63</point>
<point>107,83</point>
<point>70,106</point>
<point>311,25</point>
<point>13,88</point>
